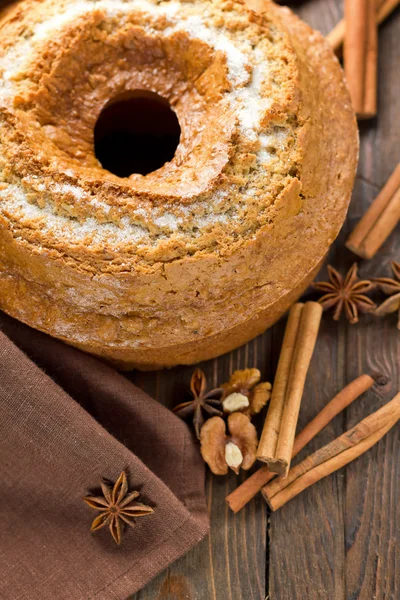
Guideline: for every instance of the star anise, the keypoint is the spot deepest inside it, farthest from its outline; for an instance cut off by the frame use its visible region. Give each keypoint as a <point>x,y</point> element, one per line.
<point>346,294</point>
<point>203,401</point>
<point>116,507</point>
<point>390,287</point>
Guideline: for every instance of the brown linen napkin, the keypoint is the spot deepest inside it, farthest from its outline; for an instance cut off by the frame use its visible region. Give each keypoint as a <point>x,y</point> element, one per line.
<point>66,421</point>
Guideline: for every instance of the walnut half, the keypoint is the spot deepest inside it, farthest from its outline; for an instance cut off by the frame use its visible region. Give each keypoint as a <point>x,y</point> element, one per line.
<point>244,393</point>
<point>235,450</point>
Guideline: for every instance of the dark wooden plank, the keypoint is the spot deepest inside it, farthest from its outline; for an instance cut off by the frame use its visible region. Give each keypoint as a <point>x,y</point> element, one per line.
<point>230,564</point>
<point>307,535</point>
<point>338,539</point>
<point>372,509</point>
<point>306,538</point>
<point>372,516</point>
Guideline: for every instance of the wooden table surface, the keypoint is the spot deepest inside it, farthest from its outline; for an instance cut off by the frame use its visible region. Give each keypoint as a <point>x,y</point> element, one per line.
<point>338,540</point>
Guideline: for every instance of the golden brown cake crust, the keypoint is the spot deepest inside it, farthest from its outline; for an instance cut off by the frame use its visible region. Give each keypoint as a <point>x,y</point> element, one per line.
<point>200,256</point>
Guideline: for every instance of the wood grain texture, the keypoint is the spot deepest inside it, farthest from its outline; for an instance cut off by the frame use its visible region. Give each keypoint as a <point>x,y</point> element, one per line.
<point>338,540</point>
<point>231,563</point>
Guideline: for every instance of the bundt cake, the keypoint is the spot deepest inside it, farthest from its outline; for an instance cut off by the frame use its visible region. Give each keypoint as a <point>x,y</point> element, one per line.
<point>192,259</point>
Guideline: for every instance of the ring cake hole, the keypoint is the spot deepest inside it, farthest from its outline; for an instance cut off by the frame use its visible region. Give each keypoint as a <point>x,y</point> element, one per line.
<point>136,132</point>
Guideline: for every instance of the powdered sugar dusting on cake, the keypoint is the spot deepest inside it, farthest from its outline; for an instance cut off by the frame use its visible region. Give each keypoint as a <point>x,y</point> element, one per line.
<point>252,102</point>
<point>277,138</point>
<point>247,71</point>
<point>46,29</point>
<point>167,220</point>
<point>89,231</point>
<point>236,59</point>
<point>241,58</point>
<point>67,188</point>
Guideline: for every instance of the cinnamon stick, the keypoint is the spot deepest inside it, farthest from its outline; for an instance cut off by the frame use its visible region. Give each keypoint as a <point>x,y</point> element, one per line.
<point>379,221</point>
<point>270,434</point>
<point>335,455</point>
<point>371,63</point>
<point>336,36</point>
<point>276,444</point>
<point>342,400</point>
<point>247,490</point>
<point>360,55</point>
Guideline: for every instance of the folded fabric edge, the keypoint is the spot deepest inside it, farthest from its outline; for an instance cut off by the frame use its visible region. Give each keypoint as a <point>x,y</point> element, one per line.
<point>182,539</point>
<point>191,530</point>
